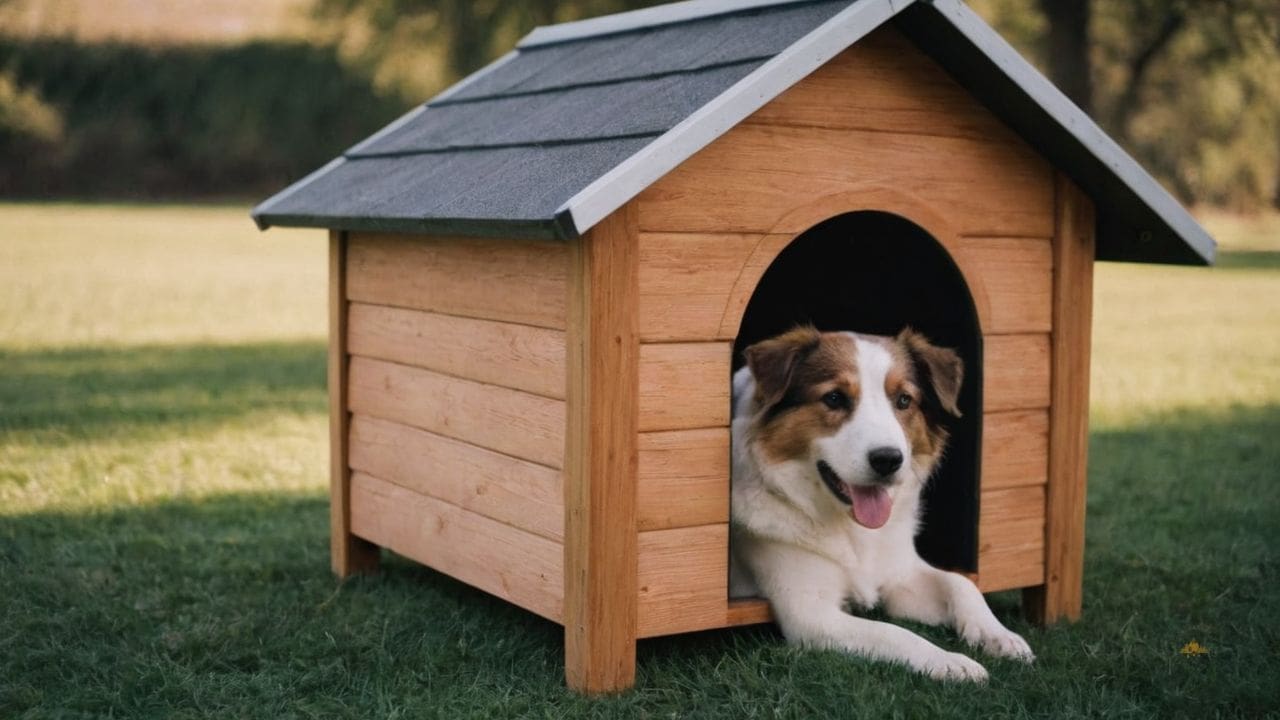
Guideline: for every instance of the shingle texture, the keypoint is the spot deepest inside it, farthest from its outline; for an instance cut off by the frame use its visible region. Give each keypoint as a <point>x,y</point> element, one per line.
<point>516,143</point>
<point>581,117</point>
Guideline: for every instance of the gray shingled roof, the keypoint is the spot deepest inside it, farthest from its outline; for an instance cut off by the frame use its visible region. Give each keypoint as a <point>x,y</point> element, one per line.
<point>581,117</point>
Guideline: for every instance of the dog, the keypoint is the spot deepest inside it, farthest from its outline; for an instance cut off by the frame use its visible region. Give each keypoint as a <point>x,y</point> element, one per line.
<point>834,437</point>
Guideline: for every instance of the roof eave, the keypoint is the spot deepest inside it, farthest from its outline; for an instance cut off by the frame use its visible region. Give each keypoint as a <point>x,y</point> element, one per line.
<point>1139,221</point>
<point>532,229</point>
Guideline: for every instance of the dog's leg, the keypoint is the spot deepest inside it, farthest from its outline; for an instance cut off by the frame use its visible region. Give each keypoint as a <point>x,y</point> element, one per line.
<point>937,597</point>
<point>806,595</point>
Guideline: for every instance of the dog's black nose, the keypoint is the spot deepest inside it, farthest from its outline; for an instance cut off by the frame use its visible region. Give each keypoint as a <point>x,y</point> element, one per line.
<point>885,460</point>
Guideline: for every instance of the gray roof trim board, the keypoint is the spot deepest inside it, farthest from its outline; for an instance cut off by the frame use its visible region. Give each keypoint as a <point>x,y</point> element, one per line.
<point>669,14</point>
<point>503,189</point>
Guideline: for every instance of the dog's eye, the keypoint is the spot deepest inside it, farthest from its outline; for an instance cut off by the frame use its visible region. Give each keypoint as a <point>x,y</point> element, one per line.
<point>903,401</point>
<point>836,400</point>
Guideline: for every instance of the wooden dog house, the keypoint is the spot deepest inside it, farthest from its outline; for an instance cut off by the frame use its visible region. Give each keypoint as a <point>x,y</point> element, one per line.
<point>538,277</point>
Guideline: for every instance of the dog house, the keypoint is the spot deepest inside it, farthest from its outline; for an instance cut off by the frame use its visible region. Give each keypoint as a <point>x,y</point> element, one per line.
<point>538,279</point>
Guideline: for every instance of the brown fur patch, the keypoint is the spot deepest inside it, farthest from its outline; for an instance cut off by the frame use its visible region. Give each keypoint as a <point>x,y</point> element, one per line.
<point>799,414</point>
<point>795,370</point>
<point>934,375</point>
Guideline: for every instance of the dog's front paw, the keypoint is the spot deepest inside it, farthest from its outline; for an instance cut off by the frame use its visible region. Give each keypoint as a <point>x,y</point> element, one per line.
<point>953,667</point>
<point>1005,643</point>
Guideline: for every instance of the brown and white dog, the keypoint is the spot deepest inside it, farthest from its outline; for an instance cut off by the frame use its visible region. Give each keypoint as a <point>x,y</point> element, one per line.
<point>834,436</point>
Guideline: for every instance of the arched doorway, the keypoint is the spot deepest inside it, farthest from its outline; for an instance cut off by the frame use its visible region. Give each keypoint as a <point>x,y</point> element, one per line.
<point>876,272</point>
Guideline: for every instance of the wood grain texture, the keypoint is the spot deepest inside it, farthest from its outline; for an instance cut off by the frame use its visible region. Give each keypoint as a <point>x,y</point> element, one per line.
<point>1073,256</point>
<point>1017,277</point>
<point>748,611</point>
<point>508,421</point>
<point>683,478</point>
<point>348,554</point>
<point>683,579</point>
<point>1016,372</point>
<point>519,493</point>
<point>751,176</point>
<point>521,357</point>
<point>515,565</point>
<point>1011,518</point>
<point>1015,449</point>
<point>686,283</point>
<point>881,82</point>
<point>506,279</point>
<point>1011,569</point>
<point>684,385</point>
<point>601,457</point>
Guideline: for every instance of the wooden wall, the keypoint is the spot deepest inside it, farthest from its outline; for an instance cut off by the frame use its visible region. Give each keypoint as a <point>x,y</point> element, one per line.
<point>456,375</point>
<point>881,127</point>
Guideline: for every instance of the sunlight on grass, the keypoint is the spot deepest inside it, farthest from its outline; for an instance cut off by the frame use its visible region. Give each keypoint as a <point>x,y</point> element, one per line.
<point>120,274</point>
<point>155,353</point>
<point>163,516</point>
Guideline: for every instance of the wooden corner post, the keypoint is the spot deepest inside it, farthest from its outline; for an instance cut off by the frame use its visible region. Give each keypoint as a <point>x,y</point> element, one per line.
<point>1073,257</point>
<point>600,532</point>
<point>348,553</point>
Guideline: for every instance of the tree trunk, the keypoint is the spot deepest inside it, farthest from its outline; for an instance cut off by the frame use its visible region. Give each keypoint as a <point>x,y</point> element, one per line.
<point>1067,46</point>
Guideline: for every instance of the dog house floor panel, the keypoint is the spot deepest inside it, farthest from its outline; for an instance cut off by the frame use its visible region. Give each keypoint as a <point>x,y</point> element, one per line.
<point>518,566</point>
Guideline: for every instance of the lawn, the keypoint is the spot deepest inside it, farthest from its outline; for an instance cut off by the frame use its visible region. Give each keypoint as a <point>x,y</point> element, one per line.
<point>163,519</point>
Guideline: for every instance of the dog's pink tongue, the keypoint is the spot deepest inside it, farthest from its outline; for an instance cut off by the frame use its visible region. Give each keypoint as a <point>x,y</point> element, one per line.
<point>871,506</point>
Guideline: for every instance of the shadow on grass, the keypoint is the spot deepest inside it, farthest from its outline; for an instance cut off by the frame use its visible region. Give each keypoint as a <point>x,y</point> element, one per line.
<point>225,606</point>
<point>90,392</point>
<point>1248,260</point>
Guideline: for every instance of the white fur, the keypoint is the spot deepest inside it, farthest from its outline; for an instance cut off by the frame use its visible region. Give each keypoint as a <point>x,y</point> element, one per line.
<point>795,544</point>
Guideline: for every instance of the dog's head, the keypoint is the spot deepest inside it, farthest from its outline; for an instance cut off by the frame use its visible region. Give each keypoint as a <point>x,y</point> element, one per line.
<point>856,419</point>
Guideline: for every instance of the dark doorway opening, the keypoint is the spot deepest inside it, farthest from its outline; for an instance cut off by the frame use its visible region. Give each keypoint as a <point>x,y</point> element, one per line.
<point>875,273</point>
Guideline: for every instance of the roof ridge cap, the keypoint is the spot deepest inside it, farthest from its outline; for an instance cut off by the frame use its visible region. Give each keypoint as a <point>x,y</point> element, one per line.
<point>656,16</point>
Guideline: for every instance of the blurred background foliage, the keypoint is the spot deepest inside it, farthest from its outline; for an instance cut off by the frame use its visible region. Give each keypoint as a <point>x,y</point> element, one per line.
<point>233,98</point>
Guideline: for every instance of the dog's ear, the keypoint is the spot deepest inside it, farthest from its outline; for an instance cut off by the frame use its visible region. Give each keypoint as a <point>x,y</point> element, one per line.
<point>774,361</point>
<point>939,368</point>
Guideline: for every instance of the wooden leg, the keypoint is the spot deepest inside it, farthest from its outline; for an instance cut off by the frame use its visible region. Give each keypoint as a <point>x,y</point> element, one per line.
<point>600,538</point>
<point>1073,256</point>
<point>349,554</point>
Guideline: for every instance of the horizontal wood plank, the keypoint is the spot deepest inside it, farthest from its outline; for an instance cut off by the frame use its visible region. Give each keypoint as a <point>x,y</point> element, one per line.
<point>748,611</point>
<point>1017,275</point>
<point>684,385</point>
<point>1011,538</point>
<point>753,176</point>
<point>884,81</point>
<point>522,357</point>
<point>1015,449</point>
<point>1016,372</point>
<point>522,494</point>
<point>508,421</point>
<point>687,281</point>
<point>506,279</point>
<point>1008,569</point>
<point>1012,517</point>
<point>518,566</point>
<point>683,579</point>
<point>683,478</point>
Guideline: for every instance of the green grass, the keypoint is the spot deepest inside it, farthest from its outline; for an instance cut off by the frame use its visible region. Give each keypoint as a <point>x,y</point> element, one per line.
<point>163,520</point>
